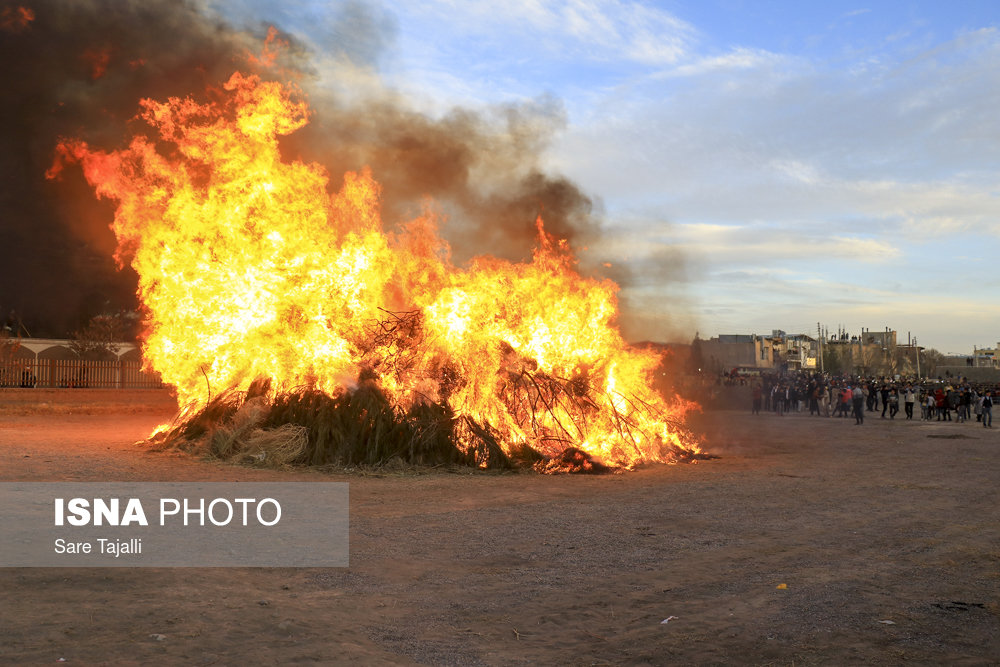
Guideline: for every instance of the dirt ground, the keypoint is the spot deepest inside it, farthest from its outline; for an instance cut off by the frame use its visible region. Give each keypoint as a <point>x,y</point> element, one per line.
<point>810,541</point>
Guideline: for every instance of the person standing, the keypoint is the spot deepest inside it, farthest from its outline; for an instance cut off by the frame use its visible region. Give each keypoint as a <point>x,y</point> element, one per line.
<point>988,409</point>
<point>893,402</point>
<point>858,396</point>
<point>939,402</point>
<point>813,392</point>
<point>846,395</point>
<point>951,397</point>
<point>909,397</point>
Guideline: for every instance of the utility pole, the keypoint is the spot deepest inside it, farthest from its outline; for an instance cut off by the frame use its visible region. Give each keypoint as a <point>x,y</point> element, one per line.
<point>819,337</point>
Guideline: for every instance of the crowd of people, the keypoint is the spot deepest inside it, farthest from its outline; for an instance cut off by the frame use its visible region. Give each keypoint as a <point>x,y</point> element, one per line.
<point>845,397</point>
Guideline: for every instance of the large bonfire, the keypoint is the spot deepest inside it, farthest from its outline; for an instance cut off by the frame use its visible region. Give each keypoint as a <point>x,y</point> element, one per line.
<point>283,314</point>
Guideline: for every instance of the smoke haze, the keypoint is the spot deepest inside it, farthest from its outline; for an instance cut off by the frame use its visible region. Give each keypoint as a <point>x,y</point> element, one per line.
<point>77,68</point>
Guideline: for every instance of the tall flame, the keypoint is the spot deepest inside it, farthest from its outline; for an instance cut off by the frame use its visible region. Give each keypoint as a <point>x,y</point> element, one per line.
<point>250,269</point>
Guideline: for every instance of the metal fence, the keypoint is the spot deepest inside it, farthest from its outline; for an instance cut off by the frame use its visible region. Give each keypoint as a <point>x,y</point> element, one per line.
<point>77,373</point>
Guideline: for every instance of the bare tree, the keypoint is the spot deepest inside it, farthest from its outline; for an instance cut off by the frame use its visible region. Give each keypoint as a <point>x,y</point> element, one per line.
<point>10,373</point>
<point>836,358</point>
<point>931,360</point>
<point>867,361</point>
<point>8,346</point>
<point>891,360</point>
<point>103,337</point>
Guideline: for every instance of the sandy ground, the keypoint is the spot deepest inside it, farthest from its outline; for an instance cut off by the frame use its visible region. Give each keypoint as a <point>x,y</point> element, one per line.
<point>810,541</point>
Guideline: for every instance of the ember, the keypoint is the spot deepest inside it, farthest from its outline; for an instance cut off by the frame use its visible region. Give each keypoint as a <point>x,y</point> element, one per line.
<point>270,302</point>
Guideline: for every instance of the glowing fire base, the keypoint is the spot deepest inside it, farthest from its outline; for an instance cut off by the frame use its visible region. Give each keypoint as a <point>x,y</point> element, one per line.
<point>360,428</point>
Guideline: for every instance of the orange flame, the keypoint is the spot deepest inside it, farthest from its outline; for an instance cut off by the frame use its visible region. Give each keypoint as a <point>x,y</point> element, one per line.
<point>250,269</point>
<point>98,59</point>
<point>16,19</point>
<point>272,49</point>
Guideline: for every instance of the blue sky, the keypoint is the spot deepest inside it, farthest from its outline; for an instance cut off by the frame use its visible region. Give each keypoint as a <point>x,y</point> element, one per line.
<point>762,164</point>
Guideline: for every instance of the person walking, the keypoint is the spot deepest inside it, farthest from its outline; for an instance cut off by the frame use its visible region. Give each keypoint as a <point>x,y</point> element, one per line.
<point>909,397</point>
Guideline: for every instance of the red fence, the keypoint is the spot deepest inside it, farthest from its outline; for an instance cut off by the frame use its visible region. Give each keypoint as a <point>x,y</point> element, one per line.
<point>77,373</point>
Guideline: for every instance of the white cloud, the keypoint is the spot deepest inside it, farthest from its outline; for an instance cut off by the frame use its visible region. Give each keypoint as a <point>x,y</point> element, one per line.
<point>789,142</point>
<point>574,31</point>
<point>592,29</point>
<point>796,170</point>
<point>740,58</point>
<point>766,245</point>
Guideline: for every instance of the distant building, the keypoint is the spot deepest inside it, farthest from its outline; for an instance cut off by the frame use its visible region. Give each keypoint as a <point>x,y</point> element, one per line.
<point>985,357</point>
<point>728,352</point>
<point>756,353</point>
<point>798,351</point>
<point>872,353</point>
<point>867,353</point>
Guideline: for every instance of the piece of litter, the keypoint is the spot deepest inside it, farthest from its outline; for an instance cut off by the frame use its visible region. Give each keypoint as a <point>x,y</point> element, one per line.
<point>887,622</point>
<point>667,620</point>
<point>158,637</point>
<point>782,586</point>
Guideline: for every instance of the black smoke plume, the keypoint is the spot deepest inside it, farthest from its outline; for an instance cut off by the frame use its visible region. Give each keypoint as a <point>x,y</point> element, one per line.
<point>78,68</point>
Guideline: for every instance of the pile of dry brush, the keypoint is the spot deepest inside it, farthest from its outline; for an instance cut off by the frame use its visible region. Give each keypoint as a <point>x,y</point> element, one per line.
<point>363,427</point>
